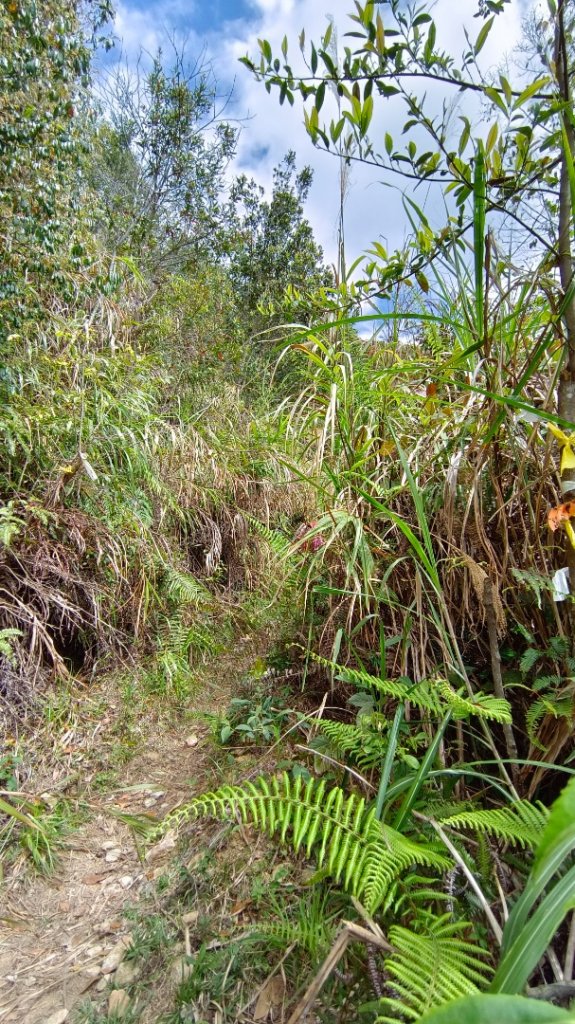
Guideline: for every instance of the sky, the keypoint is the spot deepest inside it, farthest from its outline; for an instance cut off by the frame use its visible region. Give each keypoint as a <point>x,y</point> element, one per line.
<point>225,30</point>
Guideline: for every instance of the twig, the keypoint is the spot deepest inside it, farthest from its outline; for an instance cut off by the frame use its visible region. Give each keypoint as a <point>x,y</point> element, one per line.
<point>491,617</point>
<point>561,990</point>
<point>350,932</point>
<point>494,923</point>
<point>570,951</point>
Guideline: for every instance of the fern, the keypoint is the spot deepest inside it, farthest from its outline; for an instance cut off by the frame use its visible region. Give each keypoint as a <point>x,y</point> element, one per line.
<point>182,587</point>
<point>435,694</point>
<point>521,823</point>
<point>543,706</point>
<point>278,542</point>
<point>361,854</point>
<point>365,747</point>
<point>431,967</point>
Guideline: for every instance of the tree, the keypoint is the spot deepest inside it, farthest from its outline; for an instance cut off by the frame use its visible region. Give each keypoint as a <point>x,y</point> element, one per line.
<point>514,160</point>
<point>162,151</point>
<point>44,74</point>
<point>270,249</point>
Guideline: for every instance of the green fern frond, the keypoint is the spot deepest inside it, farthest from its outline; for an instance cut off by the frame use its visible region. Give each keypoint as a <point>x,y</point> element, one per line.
<point>543,706</point>
<point>481,704</point>
<point>434,695</point>
<point>521,822</point>
<point>182,587</point>
<point>363,746</point>
<point>361,854</point>
<point>388,858</point>
<point>401,689</point>
<point>431,967</point>
<point>278,542</point>
<point>313,936</point>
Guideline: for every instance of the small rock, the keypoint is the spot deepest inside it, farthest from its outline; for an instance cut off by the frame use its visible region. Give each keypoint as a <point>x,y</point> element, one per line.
<point>58,1017</point>
<point>108,926</point>
<point>86,979</point>
<point>101,985</point>
<point>64,906</point>
<point>191,917</point>
<point>113,855</point>
<point>126,881</point>
<point>164,846</point>
<point>109,844</point>
<point>94,951</point>
<point>180,970</point>
<point>192,741</point>
<point>149,801</point>
<point>116,955</point>
<point>119,1002</point>
<point>127,973</point>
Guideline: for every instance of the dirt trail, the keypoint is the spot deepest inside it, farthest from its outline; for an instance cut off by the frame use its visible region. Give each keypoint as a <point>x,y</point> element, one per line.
<point>61,937</point>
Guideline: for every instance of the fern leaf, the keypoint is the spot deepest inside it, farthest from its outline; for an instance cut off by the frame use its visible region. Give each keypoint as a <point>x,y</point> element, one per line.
<point>431,967</point>
<point>362,745</point>
<point>521,823</point>
<point>389,855</point>
<point>359,852</point>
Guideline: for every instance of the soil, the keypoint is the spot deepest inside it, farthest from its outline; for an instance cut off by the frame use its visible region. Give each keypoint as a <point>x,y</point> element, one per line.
<point>62,936</point>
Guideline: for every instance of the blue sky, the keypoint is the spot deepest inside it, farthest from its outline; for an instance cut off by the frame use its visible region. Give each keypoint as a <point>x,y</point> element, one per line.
<point>225,30</point>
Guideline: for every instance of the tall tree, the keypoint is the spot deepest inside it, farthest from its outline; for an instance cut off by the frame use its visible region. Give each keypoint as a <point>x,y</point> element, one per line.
<point>44,73</point>
<point>269,247</point>
<point>163,148</point>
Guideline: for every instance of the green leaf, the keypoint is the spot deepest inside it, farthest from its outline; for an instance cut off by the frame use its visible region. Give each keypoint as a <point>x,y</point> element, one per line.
<point>388,144</point>
<point>531,90</point>
<point>525,938</point>
<point>497,99</point>
<point>491,137</point>
<point>379,35</point>
<point>266,49</point>
<point>491,1009</point>
<point>482,37</point>
<point>422,281</point>
<point>430,43</point>
<point>366,115</point>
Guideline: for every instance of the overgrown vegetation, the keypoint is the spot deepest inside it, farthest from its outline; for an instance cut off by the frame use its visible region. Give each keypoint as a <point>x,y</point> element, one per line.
<point>395,505</point>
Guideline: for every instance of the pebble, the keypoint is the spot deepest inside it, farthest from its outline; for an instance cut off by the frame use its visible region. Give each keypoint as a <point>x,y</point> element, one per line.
<point>127,973</point>
<point>191,917</point>
<point>180,970</point>
<point>192,741</point>
<point>126,881</point>
<point>118,1003</point>
<point>116,955</point>
<point>94,951</point>
<point>164,846</point>
<point>109,844</point>
<point>58,1017</point>
<point>113,855</point>
<point>108,926</point>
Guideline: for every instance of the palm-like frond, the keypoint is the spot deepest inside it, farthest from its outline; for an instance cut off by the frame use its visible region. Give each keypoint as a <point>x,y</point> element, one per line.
<point>430,967</point>
<point>521,823</point>
<point>435,694</point>
<point>365,747</point>
<point>361,854</point>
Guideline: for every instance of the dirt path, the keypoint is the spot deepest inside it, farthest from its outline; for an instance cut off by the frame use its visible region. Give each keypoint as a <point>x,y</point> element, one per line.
<point>62,937</point>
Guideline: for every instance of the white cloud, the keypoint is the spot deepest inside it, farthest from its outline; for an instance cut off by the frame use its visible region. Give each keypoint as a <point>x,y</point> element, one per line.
<point>269,131</point>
